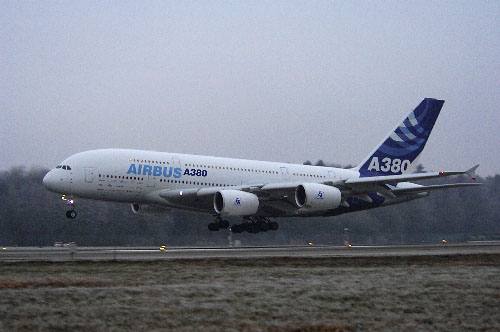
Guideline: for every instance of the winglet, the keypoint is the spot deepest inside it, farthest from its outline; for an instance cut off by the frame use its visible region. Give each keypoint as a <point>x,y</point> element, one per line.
<point>472,172</point>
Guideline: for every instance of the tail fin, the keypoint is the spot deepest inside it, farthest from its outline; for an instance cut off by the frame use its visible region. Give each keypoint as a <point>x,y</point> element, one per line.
<point>399,151</point>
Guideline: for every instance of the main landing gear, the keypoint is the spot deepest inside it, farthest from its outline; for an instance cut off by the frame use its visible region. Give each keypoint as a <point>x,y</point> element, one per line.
<point>255,225</point>
<point>218,224</point>
<point>251,225</point>
<point>71,213</point>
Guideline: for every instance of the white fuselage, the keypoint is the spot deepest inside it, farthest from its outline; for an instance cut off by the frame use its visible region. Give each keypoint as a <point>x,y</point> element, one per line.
<point>129,175</point>
<point>137,177</point>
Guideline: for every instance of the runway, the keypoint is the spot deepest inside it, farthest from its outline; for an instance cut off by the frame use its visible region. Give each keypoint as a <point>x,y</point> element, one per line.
<point>446,287</point>
<point>54,254</point>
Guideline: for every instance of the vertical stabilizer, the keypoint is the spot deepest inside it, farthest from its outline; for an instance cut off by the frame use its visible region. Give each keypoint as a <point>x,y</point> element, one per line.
<point>399,151</point>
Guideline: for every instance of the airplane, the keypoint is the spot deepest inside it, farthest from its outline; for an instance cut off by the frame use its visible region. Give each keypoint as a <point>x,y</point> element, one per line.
<point>156,182</point>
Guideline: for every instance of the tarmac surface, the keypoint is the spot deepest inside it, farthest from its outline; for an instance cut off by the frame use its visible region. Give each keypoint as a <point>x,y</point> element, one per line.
<point>445,287</point>
<point>62,254</point>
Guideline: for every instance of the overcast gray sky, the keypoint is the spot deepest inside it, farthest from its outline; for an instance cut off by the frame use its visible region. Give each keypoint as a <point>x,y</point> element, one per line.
<point>271,80</point>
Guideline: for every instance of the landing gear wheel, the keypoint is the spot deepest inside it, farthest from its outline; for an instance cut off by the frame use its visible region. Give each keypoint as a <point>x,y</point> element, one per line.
<point>213,227</point>
<point>253,228</point>
<point>71,214</point>
<point>263,226</point>
<point>274,225</point>
<point>224,224</point>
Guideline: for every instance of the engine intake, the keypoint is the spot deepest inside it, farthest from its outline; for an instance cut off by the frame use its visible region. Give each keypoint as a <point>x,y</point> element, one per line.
<point>235,203</point>
<point>317,196</point>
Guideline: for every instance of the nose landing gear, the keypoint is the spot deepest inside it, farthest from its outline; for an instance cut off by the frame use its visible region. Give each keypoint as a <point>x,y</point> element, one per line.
<point>71,213</point>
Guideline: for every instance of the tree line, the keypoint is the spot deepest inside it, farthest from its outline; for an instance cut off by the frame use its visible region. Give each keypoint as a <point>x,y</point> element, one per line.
<point>30,215</point>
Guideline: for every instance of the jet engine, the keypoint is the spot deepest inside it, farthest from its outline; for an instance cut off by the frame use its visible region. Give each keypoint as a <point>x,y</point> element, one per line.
<point>317,196</point>
<point>145,209</point>
<point>235,203</point>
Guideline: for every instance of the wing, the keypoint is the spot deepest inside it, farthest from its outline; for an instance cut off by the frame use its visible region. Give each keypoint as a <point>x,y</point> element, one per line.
<point>278,199</point>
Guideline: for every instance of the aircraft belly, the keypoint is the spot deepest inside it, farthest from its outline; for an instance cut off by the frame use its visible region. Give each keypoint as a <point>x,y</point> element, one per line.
<point>193,206</point>
<point>190,204</point>
<point>276,209</point>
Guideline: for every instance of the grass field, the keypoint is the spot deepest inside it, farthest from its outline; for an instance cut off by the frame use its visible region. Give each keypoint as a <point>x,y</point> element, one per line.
<point>455,293</point>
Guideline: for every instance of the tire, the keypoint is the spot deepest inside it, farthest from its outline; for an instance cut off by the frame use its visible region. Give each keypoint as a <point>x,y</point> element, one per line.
<point>213,227</point>
<point>263,226</point>
<point>72,214</point>
<point>68,214</point>
<point>274,225</point>
<point>254,228</point>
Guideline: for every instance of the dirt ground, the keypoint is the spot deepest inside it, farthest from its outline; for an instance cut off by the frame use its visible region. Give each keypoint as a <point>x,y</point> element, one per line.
<point>421,293</point>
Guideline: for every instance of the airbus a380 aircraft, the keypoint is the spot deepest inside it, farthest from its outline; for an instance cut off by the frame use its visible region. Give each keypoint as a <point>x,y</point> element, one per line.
<point>155,182</point>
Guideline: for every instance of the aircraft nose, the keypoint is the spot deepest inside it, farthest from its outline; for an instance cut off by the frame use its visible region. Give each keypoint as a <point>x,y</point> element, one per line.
<point>49,180</point>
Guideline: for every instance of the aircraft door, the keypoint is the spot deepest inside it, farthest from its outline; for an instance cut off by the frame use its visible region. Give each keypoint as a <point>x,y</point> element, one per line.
<point>151,181</point>
<point>176,162</point>
<point>89,174</point>
<point>284,173</point>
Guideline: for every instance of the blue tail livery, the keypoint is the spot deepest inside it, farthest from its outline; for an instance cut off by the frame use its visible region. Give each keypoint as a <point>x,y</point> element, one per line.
<point>399,151</point>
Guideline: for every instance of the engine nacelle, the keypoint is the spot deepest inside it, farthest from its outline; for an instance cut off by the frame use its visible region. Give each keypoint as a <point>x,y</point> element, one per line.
<point>148,209</point>
<point>235,203</point>
<point>317,196</point>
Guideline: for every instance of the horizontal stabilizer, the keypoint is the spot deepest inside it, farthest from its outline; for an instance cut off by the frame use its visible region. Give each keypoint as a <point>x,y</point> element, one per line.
<point>390,179</point>
<point>421,189</point>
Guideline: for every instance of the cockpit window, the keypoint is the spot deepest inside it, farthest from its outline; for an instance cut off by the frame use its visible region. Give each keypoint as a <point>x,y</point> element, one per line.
<point>65,167</point>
